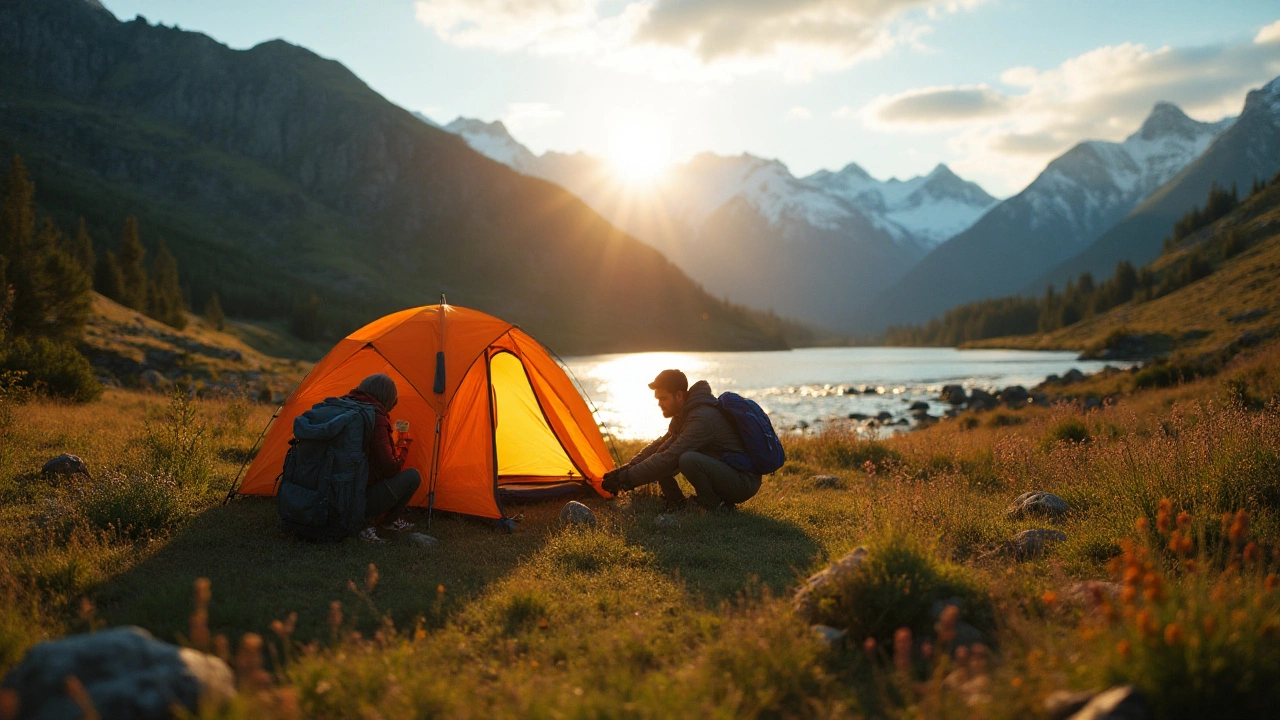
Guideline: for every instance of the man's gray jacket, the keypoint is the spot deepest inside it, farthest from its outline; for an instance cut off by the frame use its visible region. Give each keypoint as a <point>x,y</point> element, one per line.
<point>700,427</point>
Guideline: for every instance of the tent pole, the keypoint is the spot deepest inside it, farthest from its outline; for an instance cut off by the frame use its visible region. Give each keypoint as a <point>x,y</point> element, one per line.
<point>236,482</point>
<point>439,388</point>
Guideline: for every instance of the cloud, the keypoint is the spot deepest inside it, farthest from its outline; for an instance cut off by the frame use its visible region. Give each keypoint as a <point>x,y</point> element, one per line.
<point>713,38</point>
<point>1104,94</point>
<point>799,113</point>
<point>528,115</point>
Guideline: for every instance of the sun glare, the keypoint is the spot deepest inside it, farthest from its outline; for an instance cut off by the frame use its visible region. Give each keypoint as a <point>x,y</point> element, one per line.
<point>638,153</point>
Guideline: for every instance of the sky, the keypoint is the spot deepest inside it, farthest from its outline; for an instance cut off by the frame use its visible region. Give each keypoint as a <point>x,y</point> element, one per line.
<point>993,88</point>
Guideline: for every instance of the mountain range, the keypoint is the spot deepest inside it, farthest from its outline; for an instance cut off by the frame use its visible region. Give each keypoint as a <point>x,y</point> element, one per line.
<point>273,173</point>
<point>815,248</point>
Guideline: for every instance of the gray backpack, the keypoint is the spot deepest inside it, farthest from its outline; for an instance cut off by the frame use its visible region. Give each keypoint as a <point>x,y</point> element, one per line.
<point>321,494</point>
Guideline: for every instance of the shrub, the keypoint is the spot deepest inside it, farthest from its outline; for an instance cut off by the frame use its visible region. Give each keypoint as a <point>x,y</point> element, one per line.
<point>49,367</point>
<point>177,446</point>
<point>1004,419</point>
<point>1167,374</point>
<point>135,506</point>
<point>898,586</point>
<point>1070,430</point>
<point>846,451</point>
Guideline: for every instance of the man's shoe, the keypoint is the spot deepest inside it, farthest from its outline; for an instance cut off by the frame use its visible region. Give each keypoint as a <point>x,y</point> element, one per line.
<point>370,535</point>
<point>399,525</point>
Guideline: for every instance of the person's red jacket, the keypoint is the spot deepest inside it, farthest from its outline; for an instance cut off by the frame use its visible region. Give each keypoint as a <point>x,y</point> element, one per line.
<point>383,459</point>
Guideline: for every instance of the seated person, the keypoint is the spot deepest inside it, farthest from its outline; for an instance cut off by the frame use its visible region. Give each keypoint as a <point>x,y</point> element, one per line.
<point>699,434</point>
<point>390,487</point>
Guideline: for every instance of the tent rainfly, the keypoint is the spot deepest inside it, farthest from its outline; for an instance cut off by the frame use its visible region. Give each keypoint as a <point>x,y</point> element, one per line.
<point>491,412</point>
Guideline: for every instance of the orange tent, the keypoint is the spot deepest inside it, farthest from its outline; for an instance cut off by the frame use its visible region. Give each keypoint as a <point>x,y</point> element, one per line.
<point>489,408</point>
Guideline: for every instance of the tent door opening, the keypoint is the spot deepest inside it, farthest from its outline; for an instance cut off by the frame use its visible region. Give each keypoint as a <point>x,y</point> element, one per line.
<point>532,463</point>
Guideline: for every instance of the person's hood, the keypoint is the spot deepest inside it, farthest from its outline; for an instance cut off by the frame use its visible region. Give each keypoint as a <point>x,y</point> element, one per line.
<point>361,396</point>
<point>699,395</point>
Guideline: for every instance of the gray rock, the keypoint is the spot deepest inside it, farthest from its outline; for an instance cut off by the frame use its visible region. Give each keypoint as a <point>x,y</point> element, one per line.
<point>953,394</point>
<point>65,464</point>
<point>825,481</point>
<point>858,416</point>
<point>829,636</point>
<point>1063,703</point>
<point>1031,543</point>
<point>575,513</point>
<point>805,601</point>
<point>981,399</point>
<point>1014,396</point>
<point>666,520</point>
<point>1072,376</point>
<point>919,405</point>
<point>1123,702</point>
<point>1038,503</point>
<point>423,539</point>
<point>127,673</point>
<point>884,415</point>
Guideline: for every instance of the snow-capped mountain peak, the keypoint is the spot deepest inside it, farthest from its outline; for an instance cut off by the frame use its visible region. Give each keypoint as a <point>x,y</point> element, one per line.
<point>492,140</point>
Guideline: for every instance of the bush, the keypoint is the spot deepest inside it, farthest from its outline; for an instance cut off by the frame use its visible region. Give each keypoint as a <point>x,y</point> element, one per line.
<point>1167,374</point>
<point>135,506</point>
<point>846,451</point>
<point>898,586</point>
<point>178,447</point>
<point>1071,430</point>
<point>50,368</point>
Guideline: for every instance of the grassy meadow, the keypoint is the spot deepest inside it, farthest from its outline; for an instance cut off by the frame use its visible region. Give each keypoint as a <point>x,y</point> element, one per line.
<point>1175,497</point>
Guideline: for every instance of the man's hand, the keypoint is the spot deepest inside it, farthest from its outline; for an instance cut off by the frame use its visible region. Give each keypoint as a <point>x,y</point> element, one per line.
<point>615,481</point>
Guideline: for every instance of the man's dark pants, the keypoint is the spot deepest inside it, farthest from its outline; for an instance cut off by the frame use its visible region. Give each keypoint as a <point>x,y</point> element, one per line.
<point>713,481</point>
<point>389,497</point>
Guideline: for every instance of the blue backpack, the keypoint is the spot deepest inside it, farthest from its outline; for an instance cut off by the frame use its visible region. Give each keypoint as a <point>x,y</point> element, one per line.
<point>764,452</point>
<point>321,494</point>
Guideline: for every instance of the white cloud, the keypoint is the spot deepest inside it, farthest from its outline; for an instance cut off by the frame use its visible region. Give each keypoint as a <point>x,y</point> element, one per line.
<point>1103,94</point>
<point>527,115</point>
<point>712,39</point>
<point>799,113</point>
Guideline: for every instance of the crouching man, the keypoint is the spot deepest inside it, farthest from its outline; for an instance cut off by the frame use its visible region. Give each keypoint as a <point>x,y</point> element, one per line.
<point>698,436</point>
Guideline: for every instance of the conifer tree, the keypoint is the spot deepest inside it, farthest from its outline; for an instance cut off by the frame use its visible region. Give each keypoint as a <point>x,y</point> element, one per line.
<point>213,312</point>
<point>164,292</point>
<point>81,249</point>
<point>18,217</point>
<point>107,279</point>
<point>133,287</point>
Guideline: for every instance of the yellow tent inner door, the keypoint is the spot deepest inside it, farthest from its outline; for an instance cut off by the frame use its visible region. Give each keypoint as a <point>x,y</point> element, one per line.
<point>527,448</point>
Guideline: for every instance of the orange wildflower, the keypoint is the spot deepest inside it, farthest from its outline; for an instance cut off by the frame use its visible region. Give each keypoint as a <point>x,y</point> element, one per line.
<point>1271,582</point>
<point>1146,623</point>
<point>1239,527</point>
<point>1184,519</point>
<point>1124,649</point>
<point>1142,525</point>
<point>1173,634</point>
<point>1164,516</point>
<point>1049,598</point>
<point>1210,624</point>
<point>1251,552</point>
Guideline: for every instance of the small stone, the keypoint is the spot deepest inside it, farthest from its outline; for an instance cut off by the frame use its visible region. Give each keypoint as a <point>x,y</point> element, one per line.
<point>919,405</point>
<point>1063,703</point>
<point>666,520</point>
<point>575,513</point>
<point>1031,543</point>
<point>953,394</point>
<point>1072,376</point>
<point>65,464</point>
<point>1038,503</point>
<point>805,601</point>
<point>1123,702</point>
<point>825,481</point>
<point>829,636</point>
<point>423,539</point>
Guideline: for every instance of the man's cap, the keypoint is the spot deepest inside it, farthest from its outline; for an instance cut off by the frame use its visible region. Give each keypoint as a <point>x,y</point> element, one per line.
<point>671,381</point>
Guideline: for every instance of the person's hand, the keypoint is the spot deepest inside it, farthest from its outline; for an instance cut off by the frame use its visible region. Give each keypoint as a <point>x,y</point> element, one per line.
<point>615,481</point>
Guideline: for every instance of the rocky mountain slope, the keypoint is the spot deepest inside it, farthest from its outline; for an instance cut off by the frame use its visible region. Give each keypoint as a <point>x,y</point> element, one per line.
<point>1078,196</point>
<point>1246,152</point>
<point>273,173</point>
<point>814,248</point>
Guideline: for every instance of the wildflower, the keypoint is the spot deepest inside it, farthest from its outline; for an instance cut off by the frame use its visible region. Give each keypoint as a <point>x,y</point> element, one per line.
<point>869,647</point>
<point>249,670</point>
<point>203,592</point>
<point>1251,552</point>
<point>1164,516</point>
<point>1049,598</point>
<point>1175,541</point>
<point>335,615</point>
<point>1142,525</point>
<point>1239,527</point>
<point>1131,574</point>
<point>1271,582</point>
<point>371,578</point>
<point>926,651</point>
<point>1146,623</point>
<point>1184,519</point>
<point>902,648</point>
<point>947,625</point>
<point>1129,594</point>
<point>1154,587</point>
<point>1124,649</point>
<point>1210,624</point>
<point>1016,682</point>
<point>1173,634</point>
<point>1185,545</point>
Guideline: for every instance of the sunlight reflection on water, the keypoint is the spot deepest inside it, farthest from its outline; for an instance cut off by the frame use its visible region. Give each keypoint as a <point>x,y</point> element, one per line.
<point>812,386</point>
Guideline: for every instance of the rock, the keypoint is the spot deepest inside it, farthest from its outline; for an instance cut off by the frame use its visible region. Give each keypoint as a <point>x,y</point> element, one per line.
<point>1062,703</point>
<point>1082,593</point>
<point>1072,376</point>
<point>884,415</point>
<point>666,520</point>
<point>829,636</point>
<point>981,399</point>
<point>235,356</point>
<point>65,464</point>
<point>953,394</point>
<point>154,380</point>
<point>575,513</point>
<point>858,416</point>
<point>870,390</point>
<point>1123,702</point>
<point>1030,543</point>
<point>127,673</point>
<point>1052,380</point>
<point>423,540</point>
<point>825,481</point>
<point>1014,396</point>
<point>919,405</point>
<point>805,601</point>
<point>1038,503</point>
<point>1092,403</point>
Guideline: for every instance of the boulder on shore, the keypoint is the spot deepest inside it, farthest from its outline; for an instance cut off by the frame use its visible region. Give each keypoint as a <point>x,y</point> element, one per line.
<point>125,671</point>
<point>953,394</point>
<point>1038,503</point>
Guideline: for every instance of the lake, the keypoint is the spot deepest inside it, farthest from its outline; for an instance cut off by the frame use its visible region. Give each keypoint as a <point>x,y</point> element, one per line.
<point>808,388</point>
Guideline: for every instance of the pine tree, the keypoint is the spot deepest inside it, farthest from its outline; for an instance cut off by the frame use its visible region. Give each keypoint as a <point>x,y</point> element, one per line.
<point>81,249</point>
<point>133,287</point>
<point>108,280</point>
<point>164,292</point>
<point>18,224</point>
<point>213,312</point>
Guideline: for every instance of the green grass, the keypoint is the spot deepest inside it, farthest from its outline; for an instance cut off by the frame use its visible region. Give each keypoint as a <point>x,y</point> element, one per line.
<point>637,619</point>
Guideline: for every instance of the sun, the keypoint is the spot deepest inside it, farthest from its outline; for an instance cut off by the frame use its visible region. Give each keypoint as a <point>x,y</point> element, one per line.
<point>638,152</point>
